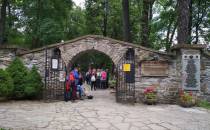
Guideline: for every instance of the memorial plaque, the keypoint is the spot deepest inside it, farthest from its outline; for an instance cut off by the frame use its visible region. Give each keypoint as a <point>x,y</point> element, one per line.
<point>154,68</point>
<point>191,71</point>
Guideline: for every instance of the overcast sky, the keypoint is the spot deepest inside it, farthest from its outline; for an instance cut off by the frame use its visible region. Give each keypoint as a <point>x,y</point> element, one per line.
<point>79,2</point>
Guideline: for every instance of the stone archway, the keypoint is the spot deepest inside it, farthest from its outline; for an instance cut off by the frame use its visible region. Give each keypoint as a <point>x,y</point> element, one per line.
<point>98,54</point>
<point>125,87</point>
<point>112,50</point>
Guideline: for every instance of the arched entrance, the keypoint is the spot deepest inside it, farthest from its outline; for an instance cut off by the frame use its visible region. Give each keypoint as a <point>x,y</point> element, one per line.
<point>123,58</point>
<point>95,62</point>
<point>91,59</point>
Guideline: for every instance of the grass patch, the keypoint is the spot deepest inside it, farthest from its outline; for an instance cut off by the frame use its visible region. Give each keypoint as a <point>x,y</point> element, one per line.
<point>204,104</point>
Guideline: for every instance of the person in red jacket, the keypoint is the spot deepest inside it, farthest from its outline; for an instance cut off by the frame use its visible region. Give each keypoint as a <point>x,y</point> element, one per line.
<point>73,86</point>
<point>67,88</point>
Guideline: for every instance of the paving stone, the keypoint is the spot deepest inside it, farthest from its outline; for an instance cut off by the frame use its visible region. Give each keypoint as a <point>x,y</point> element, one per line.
<point>122,126</point>
<point>101,125</point>
<point>156,127</point>
<point>134,128</point>
<point>92,115</point>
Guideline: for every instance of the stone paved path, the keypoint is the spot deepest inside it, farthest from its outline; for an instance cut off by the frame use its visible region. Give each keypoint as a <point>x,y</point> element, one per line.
<point>101,113</point>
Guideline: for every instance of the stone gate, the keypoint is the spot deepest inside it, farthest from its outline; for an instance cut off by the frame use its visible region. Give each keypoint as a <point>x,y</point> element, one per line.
<point>167,72</point>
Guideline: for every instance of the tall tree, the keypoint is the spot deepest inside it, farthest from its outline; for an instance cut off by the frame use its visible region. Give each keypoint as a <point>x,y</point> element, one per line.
<point>145,20</point>
<point>200,19</point>
<point>126,21</point>
<point>190,19</point>
<point>105,3</point>
<point>183,21</point>
<point>3,21</point>
<point>94,17</point>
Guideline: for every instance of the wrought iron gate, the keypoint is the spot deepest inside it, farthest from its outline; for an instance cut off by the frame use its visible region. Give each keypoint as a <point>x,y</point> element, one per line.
<point>125,89</point>
<point>54,70</point>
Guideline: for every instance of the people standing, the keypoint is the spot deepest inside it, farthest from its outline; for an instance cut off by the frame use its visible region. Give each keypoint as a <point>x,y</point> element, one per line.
<point>68,89</point>
<point>103,79</point>
<point>80,86</point>
<point>98,78</point>
<point>93,80</point>
<point>76,75</point>
<point>87,77</point>
<point>73,86</point>
<point>107,78</point>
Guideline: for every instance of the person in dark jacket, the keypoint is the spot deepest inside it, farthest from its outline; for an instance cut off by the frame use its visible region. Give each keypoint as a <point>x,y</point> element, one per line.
<point>80,86</point>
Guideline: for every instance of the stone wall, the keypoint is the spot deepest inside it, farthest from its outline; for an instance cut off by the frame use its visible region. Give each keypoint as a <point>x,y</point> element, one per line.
<point>167,85</point>
<point>205,77</point>
<point>6,56</point>
<point>37,59</point>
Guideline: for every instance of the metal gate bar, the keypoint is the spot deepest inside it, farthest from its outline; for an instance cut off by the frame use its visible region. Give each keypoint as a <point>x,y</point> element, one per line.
<point>125,89</point>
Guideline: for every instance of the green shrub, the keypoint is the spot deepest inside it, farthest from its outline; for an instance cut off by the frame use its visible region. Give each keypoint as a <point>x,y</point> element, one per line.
<point>34,84</point>
<point>19,73</point>
<point>6,84</point>
<point>204,104</point>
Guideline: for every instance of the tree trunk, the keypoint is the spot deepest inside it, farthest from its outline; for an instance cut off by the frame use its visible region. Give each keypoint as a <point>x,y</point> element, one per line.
<point>145,24</point>
<point>173,32</point>
<point>105,17</point>
<point>150,15</point>
<point>183,21</point>
<point>199,18</point>
<point>190,20</point>
<point>168,35</point>
<point>36,37</point>
<point>126,21</point>
<point>3,22</point>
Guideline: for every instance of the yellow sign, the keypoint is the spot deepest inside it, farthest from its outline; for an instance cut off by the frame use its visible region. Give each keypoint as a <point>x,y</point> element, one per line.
<point>126,67</point>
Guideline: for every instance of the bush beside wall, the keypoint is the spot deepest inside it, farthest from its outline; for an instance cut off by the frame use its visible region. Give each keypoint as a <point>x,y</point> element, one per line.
<point>27,83</point>
<point>6,84</point>
<point>18,72</point>
<point>34,84</point>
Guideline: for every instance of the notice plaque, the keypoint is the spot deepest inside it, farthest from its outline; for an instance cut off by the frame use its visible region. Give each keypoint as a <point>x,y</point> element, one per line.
<point>154,68</point>
<point>55,64</point>
<point>126,67</point>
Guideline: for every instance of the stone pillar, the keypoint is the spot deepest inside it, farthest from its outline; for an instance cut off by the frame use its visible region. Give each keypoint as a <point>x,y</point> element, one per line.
<point>190,64</point>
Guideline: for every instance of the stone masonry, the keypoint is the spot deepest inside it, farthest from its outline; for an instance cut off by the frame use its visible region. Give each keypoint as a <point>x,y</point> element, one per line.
<point>167,86</point>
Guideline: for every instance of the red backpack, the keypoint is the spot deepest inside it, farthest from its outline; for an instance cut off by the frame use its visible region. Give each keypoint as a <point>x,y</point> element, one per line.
<point>71,76</point>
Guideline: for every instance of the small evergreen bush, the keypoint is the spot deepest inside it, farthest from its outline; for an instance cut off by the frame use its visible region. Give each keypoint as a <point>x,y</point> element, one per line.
<point>27,84</point>
<point>34,84</point>
<point>19,73</point>
<point>6,84</point>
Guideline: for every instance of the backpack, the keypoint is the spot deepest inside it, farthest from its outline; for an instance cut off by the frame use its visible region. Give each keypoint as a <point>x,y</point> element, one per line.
<point>71,77</point>
<point>93,78</point>
<point>103,75</point>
